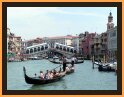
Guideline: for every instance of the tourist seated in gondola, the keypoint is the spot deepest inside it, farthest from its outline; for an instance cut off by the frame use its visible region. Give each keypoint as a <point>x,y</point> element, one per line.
<point>55,73</point>
<point>61,73</point>
<point>71,67</point>
<point>50,75</point>
<point>67,69</point>
<point>47,75</point>
<point>41,75</point>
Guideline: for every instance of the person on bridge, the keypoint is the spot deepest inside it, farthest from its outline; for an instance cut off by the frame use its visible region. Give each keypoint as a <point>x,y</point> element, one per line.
<point>64,63</point>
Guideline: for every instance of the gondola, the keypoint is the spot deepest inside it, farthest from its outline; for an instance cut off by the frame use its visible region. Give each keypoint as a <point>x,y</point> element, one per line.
<point>37,80</point>
<point>60,62</point>
<point>78,62</point>
<point>105,68</point>
<point>55,62</point>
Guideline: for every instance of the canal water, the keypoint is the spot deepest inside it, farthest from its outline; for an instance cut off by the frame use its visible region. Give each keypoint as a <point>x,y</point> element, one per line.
<point>84,77</point>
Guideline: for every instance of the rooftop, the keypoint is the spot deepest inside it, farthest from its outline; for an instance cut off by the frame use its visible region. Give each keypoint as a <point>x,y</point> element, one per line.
<point>61,37</point>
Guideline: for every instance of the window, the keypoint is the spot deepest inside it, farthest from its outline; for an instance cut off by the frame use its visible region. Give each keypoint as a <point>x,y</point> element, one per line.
<point>109,27</point>
<point>57,47</point>
<point>106,34</point>
<point>71,50</point>
<point>113,34</point>
<point>46,47</point>
<point>68,49</point>
<point>38,48</point>
<point>64,48</point>
<point>60,47</point>
<point>35,49</point>
<point>31,51</point>
<point>105,40</point>
<point>42,48</point>
<point>27,51</point>
<point>75,51</point>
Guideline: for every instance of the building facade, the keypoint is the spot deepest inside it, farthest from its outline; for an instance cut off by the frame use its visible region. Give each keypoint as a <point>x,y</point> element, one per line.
<point>28,43</point>
<point>13,46</point>
<point>112,38</point>
<point>81,37</point>
<point>112,43</point>
<point>96,47</point>
<point>65,40</point>
<point>86,44</point>
<point>17,43</point>
<point>10,45</point>
<point>105,44</point>
<point>75,43</point>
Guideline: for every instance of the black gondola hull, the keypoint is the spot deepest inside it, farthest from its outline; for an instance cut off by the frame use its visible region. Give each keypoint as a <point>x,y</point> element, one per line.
<point>105,68</point>
<point>71,71</point>
<point>66,62</point>
<point>39,81</point>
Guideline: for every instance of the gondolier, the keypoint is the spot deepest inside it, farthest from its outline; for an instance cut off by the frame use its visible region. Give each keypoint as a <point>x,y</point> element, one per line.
<point>64,63</point>
<point>73,61</point>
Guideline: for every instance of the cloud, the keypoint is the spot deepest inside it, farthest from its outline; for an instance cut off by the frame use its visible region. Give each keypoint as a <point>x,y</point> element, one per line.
<point>32,22</point>
<point>33,11</point>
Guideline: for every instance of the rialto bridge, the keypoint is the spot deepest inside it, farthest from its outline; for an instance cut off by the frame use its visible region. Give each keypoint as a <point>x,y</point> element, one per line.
<point>45,49</point>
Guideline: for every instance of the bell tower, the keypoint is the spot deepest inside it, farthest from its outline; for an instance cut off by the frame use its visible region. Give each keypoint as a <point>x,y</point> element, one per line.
<point>110,23</point>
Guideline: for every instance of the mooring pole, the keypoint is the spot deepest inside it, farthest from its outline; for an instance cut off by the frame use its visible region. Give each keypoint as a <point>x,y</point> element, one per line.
<point>93,62</point>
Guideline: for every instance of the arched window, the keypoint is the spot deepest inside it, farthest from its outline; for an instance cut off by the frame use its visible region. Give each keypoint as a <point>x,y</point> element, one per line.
<point>68,49</point>
<point>27,51</point>
<point>57,47</point>
<point>46,46</point>
<point>60,47</point>
<point>35,49</point>
<point>64,48</point>
<point>31,50</point>
<point>75,51</point>
<point>71,50</point>
<point>38,48</point>
<point>42,48</point>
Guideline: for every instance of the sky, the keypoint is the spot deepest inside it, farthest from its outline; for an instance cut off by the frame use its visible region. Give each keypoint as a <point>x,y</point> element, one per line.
<point>33,22</point>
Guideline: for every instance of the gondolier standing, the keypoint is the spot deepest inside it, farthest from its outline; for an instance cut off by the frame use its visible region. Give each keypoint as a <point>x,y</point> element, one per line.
<point>64,63</point>
<point>73,60</point>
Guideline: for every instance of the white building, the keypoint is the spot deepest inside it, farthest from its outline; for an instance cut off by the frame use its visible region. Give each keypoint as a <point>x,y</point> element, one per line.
<point>112,38</point>
<point>65,40</point>
<point>75,43</point>
<point>112,42</point>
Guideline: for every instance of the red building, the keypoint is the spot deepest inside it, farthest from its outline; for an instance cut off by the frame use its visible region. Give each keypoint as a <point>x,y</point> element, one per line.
<point>86,44</point>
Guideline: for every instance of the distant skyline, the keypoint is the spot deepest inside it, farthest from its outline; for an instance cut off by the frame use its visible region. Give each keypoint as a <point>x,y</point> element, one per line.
<point>33,22</point>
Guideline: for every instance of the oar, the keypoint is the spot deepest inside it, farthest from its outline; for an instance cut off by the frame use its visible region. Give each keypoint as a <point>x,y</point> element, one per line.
<point>56,67</point>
